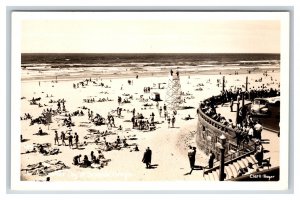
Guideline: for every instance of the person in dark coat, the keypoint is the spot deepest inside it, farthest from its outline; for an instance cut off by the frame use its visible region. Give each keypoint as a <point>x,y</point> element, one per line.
<point>191,157</point>
<point>147,157</point>
<point>211,159</point>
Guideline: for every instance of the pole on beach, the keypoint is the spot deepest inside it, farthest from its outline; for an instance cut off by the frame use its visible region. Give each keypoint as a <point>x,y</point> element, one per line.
<point>246,83</point>
<point>223,84</point>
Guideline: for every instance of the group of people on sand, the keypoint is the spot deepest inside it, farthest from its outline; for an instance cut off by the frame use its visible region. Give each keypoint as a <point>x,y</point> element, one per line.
<point>86,162</point>
<point>72,140</point>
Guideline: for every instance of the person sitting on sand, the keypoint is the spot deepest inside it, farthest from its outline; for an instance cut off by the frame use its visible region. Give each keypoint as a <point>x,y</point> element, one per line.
<point>76,159</point>
<point>136,148</point>
<point>125,144</point>
<point>40,132</point>
<point>86,162</point>
<point>100,155</point>
<point>92,155</point>
<point>42,150</point>
<point>188,117</point>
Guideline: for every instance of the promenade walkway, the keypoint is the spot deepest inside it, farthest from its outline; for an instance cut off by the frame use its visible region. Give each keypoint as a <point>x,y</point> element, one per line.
<point>270,140</point>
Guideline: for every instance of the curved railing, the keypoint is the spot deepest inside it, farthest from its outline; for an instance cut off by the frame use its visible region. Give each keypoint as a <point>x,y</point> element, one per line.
<point>219,128</point>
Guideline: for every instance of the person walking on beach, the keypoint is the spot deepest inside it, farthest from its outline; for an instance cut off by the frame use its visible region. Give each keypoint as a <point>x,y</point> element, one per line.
<point>192,157</point>
<point>76,140</point>
<point>173,121</point>
<point>63,137</point>
<point>147,158</point>
<point>56,138</point>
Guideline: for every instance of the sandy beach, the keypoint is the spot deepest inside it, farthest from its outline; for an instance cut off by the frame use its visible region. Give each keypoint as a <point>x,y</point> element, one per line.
<point>169,145</point>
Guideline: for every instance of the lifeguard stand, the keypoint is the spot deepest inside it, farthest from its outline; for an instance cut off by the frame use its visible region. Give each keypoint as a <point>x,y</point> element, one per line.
<point>173,96</point>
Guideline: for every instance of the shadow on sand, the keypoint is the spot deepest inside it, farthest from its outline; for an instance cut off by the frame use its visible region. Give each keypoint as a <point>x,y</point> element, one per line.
<point>196,167</point>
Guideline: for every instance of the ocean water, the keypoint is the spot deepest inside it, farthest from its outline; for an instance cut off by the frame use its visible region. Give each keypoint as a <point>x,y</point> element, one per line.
<point>38,65</point>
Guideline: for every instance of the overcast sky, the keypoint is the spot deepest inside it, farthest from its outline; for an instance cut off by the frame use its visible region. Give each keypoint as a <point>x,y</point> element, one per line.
<point>147,35</point>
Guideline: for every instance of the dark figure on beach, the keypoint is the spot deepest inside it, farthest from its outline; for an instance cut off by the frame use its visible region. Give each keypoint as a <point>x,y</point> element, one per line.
<point>76,159</point>
<point>86,162</point>
<point>191,156</point>
<point>173,121</point>
<point>136,148</point>
<point>70,140</point>
<point>40,131</point>
<point>171,72</point>
<point>211,159</point>
<point>63,137</point>
<point>147,157</point>
<point>76,140</point>
<point>56,138</point>
<point>92,155</point>
<point>118,141</point>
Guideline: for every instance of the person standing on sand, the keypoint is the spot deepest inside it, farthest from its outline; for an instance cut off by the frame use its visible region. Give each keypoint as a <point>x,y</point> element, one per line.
<point>56,138</point>
<point>173,121</point>
<point>166,114</point>
<point>70,138</point>
<point>147,158</point>
<point>169,121</point>
<point>191,157</point>
<point>76,140</point>
<point>63,137</point>
<point>231,105</point>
